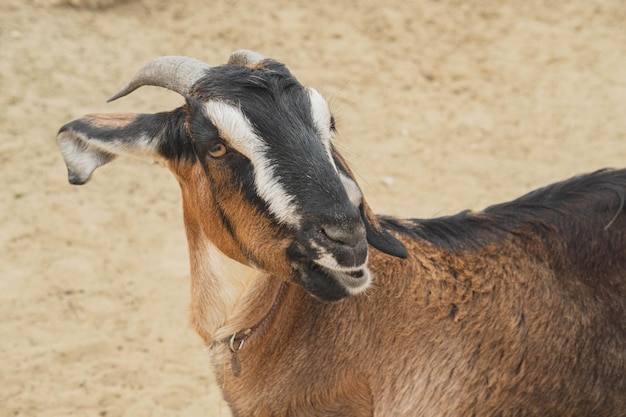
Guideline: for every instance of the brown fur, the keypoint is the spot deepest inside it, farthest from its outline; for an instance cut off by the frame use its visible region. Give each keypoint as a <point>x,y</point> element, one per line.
<point>203,224</point>
<point>247,222</point>
<point>110,120</point>
<point>504,329</point>
<point>494,340</point>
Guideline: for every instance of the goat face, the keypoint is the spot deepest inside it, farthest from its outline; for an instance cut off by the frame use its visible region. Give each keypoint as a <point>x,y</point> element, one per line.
<point>252,151</point>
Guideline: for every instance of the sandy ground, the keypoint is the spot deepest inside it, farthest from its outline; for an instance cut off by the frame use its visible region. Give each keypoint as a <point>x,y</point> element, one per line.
<point>441,106</point>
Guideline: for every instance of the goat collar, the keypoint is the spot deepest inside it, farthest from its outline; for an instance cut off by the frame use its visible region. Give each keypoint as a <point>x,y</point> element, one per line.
<point>238,339</point>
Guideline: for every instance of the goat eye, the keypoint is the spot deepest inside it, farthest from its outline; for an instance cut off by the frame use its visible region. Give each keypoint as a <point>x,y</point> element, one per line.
<point>218,150</point>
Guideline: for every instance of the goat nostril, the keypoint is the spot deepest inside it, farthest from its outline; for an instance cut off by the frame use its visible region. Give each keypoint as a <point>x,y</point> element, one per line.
<point>343,235</point>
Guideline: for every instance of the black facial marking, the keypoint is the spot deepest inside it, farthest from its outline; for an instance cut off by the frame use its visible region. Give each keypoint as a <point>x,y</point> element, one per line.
<point>279,110</point>
<point>205,135</point>
<point>321,284</point>
<point>225,219</point>
<point>175,143</point>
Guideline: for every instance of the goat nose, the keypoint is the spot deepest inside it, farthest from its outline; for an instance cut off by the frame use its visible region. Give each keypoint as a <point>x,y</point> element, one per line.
<point>348,236</point>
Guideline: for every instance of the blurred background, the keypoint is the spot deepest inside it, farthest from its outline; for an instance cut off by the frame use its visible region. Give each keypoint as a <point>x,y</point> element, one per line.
<point>440,105</point>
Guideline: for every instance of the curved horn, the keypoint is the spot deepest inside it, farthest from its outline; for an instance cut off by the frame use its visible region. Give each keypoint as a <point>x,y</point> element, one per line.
<point>245,57</point>
<point>176,73</point>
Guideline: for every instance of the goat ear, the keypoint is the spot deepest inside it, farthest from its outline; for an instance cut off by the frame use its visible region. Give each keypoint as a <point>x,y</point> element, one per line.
<point>378,237</point>
<point>94,140</point>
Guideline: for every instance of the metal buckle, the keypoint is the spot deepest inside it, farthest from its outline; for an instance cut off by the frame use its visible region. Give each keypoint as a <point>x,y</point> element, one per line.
<point>233,341</point>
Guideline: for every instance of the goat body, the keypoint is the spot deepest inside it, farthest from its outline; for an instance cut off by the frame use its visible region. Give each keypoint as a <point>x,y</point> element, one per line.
<point>518,310</point>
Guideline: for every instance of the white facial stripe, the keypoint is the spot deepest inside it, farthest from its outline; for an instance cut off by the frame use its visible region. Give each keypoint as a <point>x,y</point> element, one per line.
<point>235,128</point>
<point>321,117</point>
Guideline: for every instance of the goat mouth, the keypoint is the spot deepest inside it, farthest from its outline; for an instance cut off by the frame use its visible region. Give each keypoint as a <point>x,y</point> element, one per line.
<point>332,284</point>
<point>356,279</point>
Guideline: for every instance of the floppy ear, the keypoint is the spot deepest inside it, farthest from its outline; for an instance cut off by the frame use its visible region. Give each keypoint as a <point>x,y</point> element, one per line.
<point>378,237</point>
<point>96,139</point>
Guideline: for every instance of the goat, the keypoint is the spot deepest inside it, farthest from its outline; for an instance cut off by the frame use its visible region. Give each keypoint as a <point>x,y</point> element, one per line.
<point>312,305</point>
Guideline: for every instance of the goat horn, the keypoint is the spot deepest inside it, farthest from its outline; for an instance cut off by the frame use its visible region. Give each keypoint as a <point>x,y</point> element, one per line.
<point>176,73</point>
<point>245,57</point>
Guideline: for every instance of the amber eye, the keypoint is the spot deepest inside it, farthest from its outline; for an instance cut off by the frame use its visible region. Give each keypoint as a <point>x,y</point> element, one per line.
<point>218,150</point>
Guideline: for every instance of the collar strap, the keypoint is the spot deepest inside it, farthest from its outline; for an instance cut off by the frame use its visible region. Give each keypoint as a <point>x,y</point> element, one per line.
<point>238,339</point>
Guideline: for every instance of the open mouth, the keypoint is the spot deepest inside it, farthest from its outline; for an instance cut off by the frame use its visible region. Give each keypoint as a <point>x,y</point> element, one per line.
<point>354,279</point>
<point>332,283</point>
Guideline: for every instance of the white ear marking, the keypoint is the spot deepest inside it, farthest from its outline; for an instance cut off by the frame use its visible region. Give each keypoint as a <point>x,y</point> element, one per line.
<point>352,189</point>
<point>321,114</point>
<point>81,157</point>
